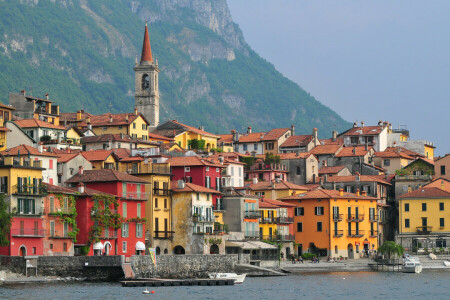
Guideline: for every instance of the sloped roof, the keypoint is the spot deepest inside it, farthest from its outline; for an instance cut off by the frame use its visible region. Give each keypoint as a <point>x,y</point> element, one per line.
<point>105,175</point>
<point>326,149</point>
<point>274,203</point>
<point>348,151</point>
<point>225,138</point>
<point>117,119</point>
<point>366,130</point>
<point>155,136</point>
<point>326,194</point>
<point>293,155</point>
<point>331,170</point>
<point>187,161</point>
<point>393,154</point>
<point>72,116</point>
<point>190,187</point>
<point>297,141</point>
<point>282,185</point>
<point>65,157</point>
<point>438,183</point>
<point>193,129</point>
<point>33,123</point>
<point>427,192</point>
<point>25,149</point>
<point>275,134</point>
<point>404,151</point>
<point>123,138</point>
<point>362,178</point>
<point>58,189</point>
<point>97,155</point>
<point>146,55</point>
<point>92,192</point>
<point>254,137</point>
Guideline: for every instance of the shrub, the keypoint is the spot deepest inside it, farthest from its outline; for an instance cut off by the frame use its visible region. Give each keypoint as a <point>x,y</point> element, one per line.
<point>308,256</point>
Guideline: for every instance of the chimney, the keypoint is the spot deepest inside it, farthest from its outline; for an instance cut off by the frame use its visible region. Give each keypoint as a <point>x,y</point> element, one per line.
<point>22,92</point>
<point>354,151</point>
<point>221,159</point>
<point>181,184</point>
<point>255,180</point>
<point>136,111</point>
<point>362,124</point>
<point>341,192</point>
<point>126,117</point>
<point>79,115</point>
<point>81,188</point>
<point>110,118</point>
<point>292,129</point>
<point>366,147</point>
<point>80,170</point>
<point>357,176</point>
<point>121,135</point>
<point>363,193</point>
<point>324,163</point>
<point>316,137</point>
<point>380,123</point>
<point>249,129</point>
<point>357,192</point>
<point>46,96</point>
<point>334,134</point>
<point>202,128</point>
<point>277,179</point>
<point>385,124</point>
<point>355,125</point>
<point>40,148</point>
<point>272,184</point>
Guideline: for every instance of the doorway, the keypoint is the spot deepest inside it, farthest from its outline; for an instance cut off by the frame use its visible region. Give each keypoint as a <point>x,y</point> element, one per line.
<point>23,251</point>
<point>351,254</point>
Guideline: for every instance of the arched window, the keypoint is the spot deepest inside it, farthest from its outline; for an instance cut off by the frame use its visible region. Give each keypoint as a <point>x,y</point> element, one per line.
<point>145,82</point>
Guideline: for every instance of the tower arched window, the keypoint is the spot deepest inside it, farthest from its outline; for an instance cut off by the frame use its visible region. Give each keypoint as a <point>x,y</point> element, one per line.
<point>145,82</point>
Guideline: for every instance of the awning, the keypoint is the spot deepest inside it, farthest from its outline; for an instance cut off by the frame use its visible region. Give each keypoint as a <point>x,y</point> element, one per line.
<point>250,245</point>
<point>140,246</point>
<point>98,246</point>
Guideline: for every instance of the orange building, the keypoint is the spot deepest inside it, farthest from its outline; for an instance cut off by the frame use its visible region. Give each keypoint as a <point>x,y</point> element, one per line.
<point>334,223</point>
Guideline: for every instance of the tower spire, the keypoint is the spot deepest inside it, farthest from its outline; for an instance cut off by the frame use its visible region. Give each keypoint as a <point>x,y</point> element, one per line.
<point>146,55</point>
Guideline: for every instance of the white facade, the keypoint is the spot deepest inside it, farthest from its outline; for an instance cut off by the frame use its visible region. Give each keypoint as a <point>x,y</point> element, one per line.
<point>68,169</point>
<point>17,136</point>
<point>202,207</point>
<point>380,141</point>
<point>235,175</point>
<point>250,147</point>
<point>37,132</point>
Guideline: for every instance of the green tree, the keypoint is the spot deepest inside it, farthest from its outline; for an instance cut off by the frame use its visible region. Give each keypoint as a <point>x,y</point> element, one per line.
<point>391,248</point>
<point>5,222</point>
<point>272,159</point>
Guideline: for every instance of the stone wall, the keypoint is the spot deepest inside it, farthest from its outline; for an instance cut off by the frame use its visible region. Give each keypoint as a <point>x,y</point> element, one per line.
<point>15,264</point>
<point>183,266</point>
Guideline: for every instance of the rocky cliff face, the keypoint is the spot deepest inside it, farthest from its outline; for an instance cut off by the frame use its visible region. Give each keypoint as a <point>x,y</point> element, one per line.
<point>82,52</point>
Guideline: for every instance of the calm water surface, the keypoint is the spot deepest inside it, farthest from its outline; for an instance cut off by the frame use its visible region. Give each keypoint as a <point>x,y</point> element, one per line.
<point>428,285</point>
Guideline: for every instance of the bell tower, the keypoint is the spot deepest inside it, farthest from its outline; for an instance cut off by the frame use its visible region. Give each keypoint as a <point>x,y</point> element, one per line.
<point>146,96</point>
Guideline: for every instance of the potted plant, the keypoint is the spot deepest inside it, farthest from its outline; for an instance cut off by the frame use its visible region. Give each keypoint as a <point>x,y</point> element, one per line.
<point>195,217</point>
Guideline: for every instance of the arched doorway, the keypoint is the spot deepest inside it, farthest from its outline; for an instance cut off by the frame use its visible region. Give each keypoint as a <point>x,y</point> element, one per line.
<point>166,251</point>
<point>158,251</point>
<point>208,146</point>
<point>23,251</point>
<point>351,254</point>
<point>178,250</point>
<point>214,249</point>
<point>107,248</point>
<point>288,253</point>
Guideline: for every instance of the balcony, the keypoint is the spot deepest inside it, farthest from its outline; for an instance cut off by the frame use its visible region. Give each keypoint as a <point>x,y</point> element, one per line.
<point>203,219</point>
<point>162,169</point>
<point>135,196</point>
<point>338,217</point>
<point>252,214</point>
<point>278,237</point>
<point>220,228</point>
<point>29,190</point>
<point>22,232</point>
<point>373,218</point>
<point>424,229</point>
<point>355,217</point>
<point>338,233</point>
<point>164,235</point>
<point>414,177</point>
<point>373,233</point>
<point>38,211</point>
<point>58,234</point>
<point>268,220</point>
<point>63,210</point>
<point>355,233</point>
<point>252,234</point>
<point>285,220</point>
<point>161,192</point>
<point>102,211</point>
<point>218,207</point>
<point>107,235</point>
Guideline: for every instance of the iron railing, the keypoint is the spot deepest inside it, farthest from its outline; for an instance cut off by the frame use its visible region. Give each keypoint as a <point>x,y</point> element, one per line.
<point>25,232</point>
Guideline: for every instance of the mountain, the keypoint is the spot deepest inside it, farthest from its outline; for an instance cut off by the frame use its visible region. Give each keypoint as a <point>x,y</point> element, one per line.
<point>83,52</point>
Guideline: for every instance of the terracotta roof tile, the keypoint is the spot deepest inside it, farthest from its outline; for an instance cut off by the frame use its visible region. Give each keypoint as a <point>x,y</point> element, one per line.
<point>366,130</point>
<point>292,155</point>
<point>190,187</point>
<point>225,138</point>
<point>275,203</point>
<point>326,149</point>
<point>330,170</point>
<point>117,119</point>
<point>155,136</point>
<point>65,157</point>
<point>25,149</point>
<point>297,141</point>
<point>404,151</point>
<point>348,151</point>
<point>146,55</point>
<point>362,178</point>
<point>96,155</point>
<point>254,137</point>
<point>187,161</point>
<point>72,116</point>
<point>325,194</point>
<point>393,154</point>
<point>105,175</point>
<point>428,192</point>
<point>58,189</point>
<point>275,134</point>
<point>439,183</point>
<point>193,129</point>
<point>33,123</point>
<point>282,185</point>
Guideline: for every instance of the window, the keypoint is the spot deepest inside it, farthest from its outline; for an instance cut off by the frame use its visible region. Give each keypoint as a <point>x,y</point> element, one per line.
<point>124,229</point>
<point>51,246</point>
<point>318,210</point>
<point>198,196</point>
<point>244,147</point>
<point>124,210</point>
<point>406,223</point>
<point>120,126</point>
<point>165,203</point>
<point>207,197</point>
<point>26,206</point>
<point>299,171</point>
<point>217,169</point>
<point>138,210</point>
<point>34,250</point>
<point>208,181</point>
<point>441,222</point>
<point>387,162</point>
<point>65,247</point>
<point>50,164</point>
<point>52,204</point>
<point>66,203</point>
<point>319,226</point>
<point>144,126</point>
<point>156,202</point>
<point>299,227</point>
<point>65,229</point>
<point>187,169</point>
<point>424,207</point>
<point>124,247</point>
<point>52,228</point>
<point>299,211</point>
<point>232,170</point>
<point>105,128</point>
<point>255,147</point>
<point>406,207</point>
<point>138,230</point>
<point>124,189</point>
<point>442,170</point>
<point>134,125</point>
<point>207,169</point>
<point>441,206</point>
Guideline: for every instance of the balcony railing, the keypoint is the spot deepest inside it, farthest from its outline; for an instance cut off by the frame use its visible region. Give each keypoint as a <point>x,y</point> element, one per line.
<point>252,214</point>
<point>57,210</point>
<point>203,219</point>
<point>218,207</point>
<point>151,168</point>
<point>135,196</point>
<point>268,220</point>
<point>355,233</point>
<point>38,211</point>
<point>28,232</point>
<point>424,229</point>
<point>163,234</point>
<point>338,217</point>
<point>285,220</point>
<point>58,234</point>
<point>374,218</point>
<point>373,233</point>
<point>161,192</point>
<point>278,237</point>
<point>29,190</point>
<point>413,177</point>
<point>338,233</point>
<point>252,234</point>
<point>355,217</point>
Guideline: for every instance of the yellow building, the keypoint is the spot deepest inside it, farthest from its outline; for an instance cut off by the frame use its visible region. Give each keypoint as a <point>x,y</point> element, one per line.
<point>277,189</point>
<point>5,115</point>
<point>334,223</point>
<point>158,210</point>
<point>102,159</point>
<point>133,124</point>
<point>73,135</point>
<point>424,217</point>
<point>184,134</point>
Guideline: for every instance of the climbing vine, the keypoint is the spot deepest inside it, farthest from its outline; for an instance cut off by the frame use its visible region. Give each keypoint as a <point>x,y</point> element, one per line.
<point>69,216</point>
<point>136,220</point>
<point>213,241</point>
<point>104,216</point>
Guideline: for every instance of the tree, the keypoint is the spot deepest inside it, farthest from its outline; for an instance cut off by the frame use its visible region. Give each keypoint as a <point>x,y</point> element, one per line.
<point>390,247</point>
<point>5,222</point>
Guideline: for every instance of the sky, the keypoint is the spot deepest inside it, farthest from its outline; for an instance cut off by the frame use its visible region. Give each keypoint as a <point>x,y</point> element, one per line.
<point>366,60</point>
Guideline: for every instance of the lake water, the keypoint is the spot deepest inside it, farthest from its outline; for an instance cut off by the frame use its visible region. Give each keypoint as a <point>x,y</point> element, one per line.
<point>428,285</point>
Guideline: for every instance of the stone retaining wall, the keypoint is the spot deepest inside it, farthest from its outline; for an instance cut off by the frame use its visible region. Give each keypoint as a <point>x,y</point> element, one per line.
<point>184,266</point>
<point>14,263</point>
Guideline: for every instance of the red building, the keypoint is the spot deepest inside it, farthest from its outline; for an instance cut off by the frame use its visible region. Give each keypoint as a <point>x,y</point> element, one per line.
<point>131,194</point>
<point>199,171</point>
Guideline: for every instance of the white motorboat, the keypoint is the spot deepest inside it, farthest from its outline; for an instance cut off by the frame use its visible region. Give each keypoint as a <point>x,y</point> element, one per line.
<point>237,278</point>
<point>447,263</point>
<point>412,265</point>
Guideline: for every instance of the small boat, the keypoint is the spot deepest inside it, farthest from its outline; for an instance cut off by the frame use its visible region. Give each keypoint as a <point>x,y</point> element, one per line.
<point>237,278</point>
<point>447,263</point>
<point>412,265</point>
<point>146,291</point>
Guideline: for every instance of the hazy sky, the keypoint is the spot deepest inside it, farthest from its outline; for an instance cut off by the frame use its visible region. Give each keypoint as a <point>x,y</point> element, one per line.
<point>366,60</point>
